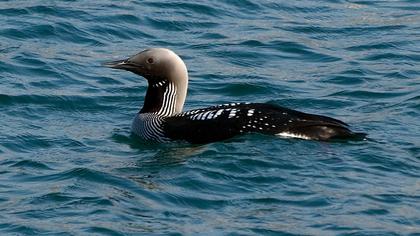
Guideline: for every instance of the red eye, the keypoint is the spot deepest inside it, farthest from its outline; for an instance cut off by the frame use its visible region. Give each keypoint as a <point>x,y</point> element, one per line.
<point>150,60</point>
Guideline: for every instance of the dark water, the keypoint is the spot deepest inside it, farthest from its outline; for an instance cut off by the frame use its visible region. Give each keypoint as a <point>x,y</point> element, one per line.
<point>68,165</point>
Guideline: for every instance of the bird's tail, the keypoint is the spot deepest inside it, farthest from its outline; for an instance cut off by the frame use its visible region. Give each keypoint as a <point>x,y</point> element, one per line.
<point>325,132</point>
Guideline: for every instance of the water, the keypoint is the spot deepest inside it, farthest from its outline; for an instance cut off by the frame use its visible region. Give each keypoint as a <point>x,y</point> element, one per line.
<point>69,166</point>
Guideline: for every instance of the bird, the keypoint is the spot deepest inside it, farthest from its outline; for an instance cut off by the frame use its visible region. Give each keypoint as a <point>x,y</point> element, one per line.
<point>162,119</point>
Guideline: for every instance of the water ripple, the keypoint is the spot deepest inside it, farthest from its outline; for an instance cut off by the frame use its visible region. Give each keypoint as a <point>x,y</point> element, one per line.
<point>69,165</point>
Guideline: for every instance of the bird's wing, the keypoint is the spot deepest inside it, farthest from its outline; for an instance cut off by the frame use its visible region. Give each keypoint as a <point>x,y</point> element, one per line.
<point>225,121</point>
<point>203,125</point>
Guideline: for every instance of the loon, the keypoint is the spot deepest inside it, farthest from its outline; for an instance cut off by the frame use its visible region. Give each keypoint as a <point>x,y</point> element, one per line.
<point>162,119</point>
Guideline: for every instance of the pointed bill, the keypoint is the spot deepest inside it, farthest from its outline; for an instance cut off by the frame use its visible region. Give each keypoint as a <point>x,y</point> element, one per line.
<point>120,64</point>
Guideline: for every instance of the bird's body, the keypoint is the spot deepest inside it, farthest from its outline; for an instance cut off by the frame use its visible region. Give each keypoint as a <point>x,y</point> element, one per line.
<point>161,119</point>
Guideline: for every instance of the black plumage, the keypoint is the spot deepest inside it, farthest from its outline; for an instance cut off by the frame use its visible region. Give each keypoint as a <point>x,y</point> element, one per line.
<point>203,126</point>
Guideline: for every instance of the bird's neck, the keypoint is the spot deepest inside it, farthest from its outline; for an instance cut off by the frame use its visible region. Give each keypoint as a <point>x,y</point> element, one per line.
<point>164,98</point>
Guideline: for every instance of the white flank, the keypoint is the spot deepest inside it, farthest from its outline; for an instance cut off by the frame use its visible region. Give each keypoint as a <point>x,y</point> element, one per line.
<point>291,135</point>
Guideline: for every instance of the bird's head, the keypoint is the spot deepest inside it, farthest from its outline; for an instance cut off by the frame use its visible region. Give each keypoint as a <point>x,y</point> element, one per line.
<point>154,64</point>
<point>165,72</point>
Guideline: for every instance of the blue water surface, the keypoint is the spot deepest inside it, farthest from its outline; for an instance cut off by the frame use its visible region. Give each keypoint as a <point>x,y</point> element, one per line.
<point>69,166</point>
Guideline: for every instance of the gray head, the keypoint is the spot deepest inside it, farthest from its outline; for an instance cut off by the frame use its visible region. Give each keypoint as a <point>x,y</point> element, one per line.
<point>160,66</point>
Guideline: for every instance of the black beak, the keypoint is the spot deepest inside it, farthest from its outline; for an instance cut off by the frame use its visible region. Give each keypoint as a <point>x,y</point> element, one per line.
<point>126,64</point>
<point>120,64</point>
